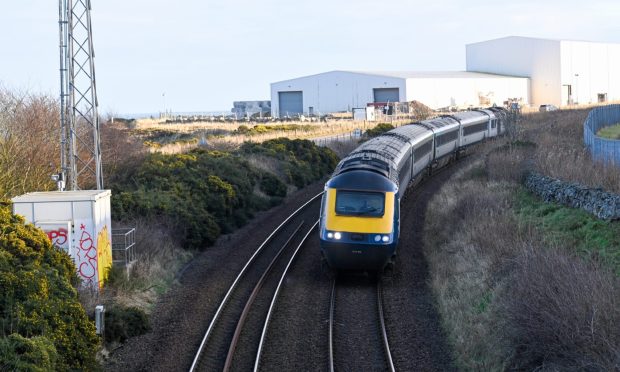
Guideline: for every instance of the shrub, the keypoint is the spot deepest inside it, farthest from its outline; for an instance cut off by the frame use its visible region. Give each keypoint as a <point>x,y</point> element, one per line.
<point>122,323</point>
<point>561,313</point>
<point>272,186</point>
<point>205,193</point>
<point>18,353</point>
<point>379,129</point>
<point>38,299</point>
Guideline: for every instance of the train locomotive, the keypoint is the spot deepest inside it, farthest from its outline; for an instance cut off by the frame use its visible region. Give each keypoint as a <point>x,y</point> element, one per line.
<point>360,211</point>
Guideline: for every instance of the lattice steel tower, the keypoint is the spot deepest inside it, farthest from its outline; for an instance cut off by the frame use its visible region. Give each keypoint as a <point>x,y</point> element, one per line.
<point>80,157</point>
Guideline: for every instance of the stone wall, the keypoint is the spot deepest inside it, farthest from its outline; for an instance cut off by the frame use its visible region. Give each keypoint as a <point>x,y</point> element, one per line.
<point>602,204</point>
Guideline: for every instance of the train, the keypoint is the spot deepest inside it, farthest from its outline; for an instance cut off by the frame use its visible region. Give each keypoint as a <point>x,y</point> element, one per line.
<point>359,223</point>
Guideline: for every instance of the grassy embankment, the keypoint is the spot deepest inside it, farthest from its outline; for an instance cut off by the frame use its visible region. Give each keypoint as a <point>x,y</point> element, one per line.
<point>612,132</point>
<point>182,203</point>
<point>522,284</point>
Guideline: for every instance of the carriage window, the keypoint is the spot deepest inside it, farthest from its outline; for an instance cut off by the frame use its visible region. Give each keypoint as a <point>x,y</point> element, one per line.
<point>477,128</point>
<point>360,203</point>
<point>446,137</point>
<point>422,150</point>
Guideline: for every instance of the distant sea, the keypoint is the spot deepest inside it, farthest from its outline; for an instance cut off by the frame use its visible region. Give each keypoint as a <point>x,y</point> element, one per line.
<point>187,113</point>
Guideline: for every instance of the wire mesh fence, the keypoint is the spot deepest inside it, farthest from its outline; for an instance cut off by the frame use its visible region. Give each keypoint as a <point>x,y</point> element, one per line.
<point>602,149</point>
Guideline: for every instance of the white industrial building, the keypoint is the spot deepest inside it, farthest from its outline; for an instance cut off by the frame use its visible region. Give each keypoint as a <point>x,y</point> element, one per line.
<point>562,72</point>
<point>529,70</point>
<point>338,91</point>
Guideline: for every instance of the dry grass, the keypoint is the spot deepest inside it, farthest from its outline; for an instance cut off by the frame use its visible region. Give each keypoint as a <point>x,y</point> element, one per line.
<point>560,313</point>
<point>159,257</point>
<point>468,233</point>
<point>560,151</point>
<point>508,300</point>
<point>316,130</point>
<point>343,148</point>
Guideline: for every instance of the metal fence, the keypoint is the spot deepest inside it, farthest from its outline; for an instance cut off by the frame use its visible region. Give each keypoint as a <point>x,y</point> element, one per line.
<point>123,246</point>
<point>602,149</point>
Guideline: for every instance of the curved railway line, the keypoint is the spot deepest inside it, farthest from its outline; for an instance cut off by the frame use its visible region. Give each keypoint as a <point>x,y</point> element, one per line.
<point>290,331</point>
<point>231,322</point>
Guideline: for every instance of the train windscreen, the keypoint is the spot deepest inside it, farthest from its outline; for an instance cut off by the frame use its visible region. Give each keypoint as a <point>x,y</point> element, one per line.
<point>360,203</point>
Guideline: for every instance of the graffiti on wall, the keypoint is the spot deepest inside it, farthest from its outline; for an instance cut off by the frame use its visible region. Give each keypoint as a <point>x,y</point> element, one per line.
<point>58,237</point>
<point>58,233</point>
<point>92,258</point>
<point>104,254</point>
<point>86,256</point>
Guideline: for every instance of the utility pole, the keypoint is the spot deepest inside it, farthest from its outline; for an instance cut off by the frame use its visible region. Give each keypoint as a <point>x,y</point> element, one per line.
<point>80,157</point>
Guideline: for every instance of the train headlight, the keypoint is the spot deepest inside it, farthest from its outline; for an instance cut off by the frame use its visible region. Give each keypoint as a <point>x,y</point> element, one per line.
<point>377,238</point>
<point>337,236</point>
<point>330,235</point>
<point>385,238</point>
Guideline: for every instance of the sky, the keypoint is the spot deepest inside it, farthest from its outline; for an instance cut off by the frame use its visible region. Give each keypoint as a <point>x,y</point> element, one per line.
<point>201,55</point>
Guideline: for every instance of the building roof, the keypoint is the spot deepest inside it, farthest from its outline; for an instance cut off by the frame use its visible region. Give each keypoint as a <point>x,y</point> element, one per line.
<point>539,39</point>
<point>433,74</point>
<point>61,196</point>
<point>414,75</point>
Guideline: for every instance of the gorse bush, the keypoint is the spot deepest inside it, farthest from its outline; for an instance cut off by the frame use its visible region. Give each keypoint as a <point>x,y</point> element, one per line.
<point>202,194</point>
<point>379,129</point>
<point>42,324</point>
<point>122,323</point>
<point>303,162</point>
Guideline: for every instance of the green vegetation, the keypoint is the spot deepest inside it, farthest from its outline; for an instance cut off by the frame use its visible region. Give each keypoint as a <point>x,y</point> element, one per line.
<point>571,227</point>
<point>379,129</point>
<point>202,194</point>
<point>612,132</point>
<point>122,323</point>
<point>42,324</point>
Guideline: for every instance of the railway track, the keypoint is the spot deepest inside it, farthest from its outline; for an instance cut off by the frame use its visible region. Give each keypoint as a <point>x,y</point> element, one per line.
<point>358,339</point>
<point>238,327</point>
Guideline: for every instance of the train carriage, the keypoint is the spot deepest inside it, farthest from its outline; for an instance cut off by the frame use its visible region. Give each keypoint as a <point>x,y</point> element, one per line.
<point>360,212</point>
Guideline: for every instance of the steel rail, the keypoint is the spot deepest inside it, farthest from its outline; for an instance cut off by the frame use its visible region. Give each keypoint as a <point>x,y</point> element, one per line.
<point>386,344</point>
<point>241,273</point>
<point>331,325</point>
<point>275,297</point>
<point>248,304</point>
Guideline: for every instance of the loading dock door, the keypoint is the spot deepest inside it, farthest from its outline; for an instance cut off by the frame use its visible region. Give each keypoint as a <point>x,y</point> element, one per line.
<point>291,103</point>
<point>386,94</point>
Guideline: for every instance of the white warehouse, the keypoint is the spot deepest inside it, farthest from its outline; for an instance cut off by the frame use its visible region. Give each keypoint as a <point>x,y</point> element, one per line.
<point>338,91</point>
<point>562,72</point>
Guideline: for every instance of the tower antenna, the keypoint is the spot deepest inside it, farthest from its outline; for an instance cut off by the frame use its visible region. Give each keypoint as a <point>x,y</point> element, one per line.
<point>80,157</point>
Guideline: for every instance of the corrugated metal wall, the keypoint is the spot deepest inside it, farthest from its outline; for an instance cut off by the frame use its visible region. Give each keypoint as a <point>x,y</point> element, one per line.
<point>602,149</point>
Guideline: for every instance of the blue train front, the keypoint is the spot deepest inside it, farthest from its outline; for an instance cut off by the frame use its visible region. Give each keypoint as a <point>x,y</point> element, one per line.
<point>359,220</point>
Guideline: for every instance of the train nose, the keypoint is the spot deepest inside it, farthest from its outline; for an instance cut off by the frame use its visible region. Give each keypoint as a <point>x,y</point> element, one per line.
<point>357,257</point>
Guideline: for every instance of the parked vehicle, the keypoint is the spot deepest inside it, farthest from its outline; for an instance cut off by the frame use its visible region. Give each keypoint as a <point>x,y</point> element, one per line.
<point>545,108</point>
